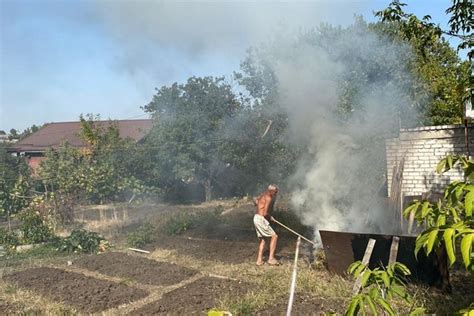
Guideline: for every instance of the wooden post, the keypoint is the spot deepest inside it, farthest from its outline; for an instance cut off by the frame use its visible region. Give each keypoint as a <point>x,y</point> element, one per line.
<point>394,250</point>
<point>293,278</point>
<point>365,261</point>
<point>411,220</point>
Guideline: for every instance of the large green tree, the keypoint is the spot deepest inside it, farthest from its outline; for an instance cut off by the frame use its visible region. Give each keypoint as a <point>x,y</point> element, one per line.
<point>440,79</point>
<point>188,141</point>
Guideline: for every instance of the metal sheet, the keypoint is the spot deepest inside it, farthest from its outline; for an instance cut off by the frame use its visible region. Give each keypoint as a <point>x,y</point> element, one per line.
<point>343,248</point>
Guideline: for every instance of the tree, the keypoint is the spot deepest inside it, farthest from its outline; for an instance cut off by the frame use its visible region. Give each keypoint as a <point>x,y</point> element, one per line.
<point>97,173</point>
<point>13,134</point>
<point>440,79</point>
<point>188,140</point>
<point>14,183</point>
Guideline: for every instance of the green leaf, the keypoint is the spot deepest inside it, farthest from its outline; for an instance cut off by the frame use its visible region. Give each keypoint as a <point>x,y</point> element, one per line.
<point>385,278</point>
<point>385,305</point>
<point>449,159</point>
<point>432,240</point>
<point>448,237</point>
<point>421,241</point>
<point>441,166</point>
<point>466,249</point>
<point>419,311</point>
<point>371,304</point>
<point>354,306</point>
<point>413,207</point>
<point>365,277</point>
<point>468,200</point>
<point>425,209</point>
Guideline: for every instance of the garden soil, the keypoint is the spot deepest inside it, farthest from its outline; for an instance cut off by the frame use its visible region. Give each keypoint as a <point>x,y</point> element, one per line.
<point>85,294</point>
<point>136,268</point>
<point>197,297</point>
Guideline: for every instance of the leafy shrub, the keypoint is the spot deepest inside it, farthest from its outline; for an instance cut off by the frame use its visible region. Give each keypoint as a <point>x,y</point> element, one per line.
<point>82,241</point>
<point>9,240</point>
<point>33,227</point>
<point>179,223</point>
<point>142,236</point>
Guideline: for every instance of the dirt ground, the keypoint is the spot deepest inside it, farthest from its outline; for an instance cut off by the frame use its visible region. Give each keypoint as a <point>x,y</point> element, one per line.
<point>135,268</point>
<point>195,298</point>
<point>85,294</point>
<point>206,267</point>
<point>209,263</point>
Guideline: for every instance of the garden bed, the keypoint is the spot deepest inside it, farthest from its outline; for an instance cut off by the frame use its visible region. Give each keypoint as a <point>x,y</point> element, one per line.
<point>85,294</point>
<point>132,267</point>
<point>195,298</point>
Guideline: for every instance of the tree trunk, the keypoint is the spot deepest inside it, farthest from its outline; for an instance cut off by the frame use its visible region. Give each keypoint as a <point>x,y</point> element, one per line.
<point>208,189</point>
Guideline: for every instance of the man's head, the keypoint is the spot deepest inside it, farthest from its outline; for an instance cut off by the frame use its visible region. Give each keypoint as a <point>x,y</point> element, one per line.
<point>273,189</point>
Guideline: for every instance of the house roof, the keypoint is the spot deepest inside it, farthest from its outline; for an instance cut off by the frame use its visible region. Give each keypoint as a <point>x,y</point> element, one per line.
<point>52,135</point>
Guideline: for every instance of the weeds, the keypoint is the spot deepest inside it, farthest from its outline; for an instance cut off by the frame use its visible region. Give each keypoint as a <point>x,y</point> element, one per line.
<point>142,236</point>
<point>82,241</point>
<point>181,222</point>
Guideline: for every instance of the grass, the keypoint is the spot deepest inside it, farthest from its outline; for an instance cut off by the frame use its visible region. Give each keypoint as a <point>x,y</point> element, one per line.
<point>25,302</point>
<point>38,254</point>
<point>141,236</point>
<point>182,221</point>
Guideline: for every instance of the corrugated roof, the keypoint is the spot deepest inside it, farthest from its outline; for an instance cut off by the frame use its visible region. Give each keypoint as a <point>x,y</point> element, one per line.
<point>56,134</point>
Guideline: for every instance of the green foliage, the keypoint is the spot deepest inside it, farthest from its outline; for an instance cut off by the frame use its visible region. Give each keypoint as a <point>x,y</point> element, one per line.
<point>9,240</point>
<point>33,227</point>
<point>378,287</point>
<point>82,241</point>
<point>14,183</point>
<point>462,21</point>
<point>142,236</point>
<point>100,172</point>
<point>180,222</point>
<point>188,142</point>
<point>450,221</point>
<point>440,79</point>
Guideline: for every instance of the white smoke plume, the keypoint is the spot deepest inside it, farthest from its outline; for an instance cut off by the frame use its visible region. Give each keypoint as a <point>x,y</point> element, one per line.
<point>339,181</point>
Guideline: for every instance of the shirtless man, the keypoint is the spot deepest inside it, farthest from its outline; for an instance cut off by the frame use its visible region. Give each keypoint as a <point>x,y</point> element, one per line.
<point>261,220</point>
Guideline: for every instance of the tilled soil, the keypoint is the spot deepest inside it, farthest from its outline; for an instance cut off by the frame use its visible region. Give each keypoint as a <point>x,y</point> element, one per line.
<point>139,269</point>
<point>232,252</point>
<point>195,298</point>
<point>86,294</point>
<point>212,250</point>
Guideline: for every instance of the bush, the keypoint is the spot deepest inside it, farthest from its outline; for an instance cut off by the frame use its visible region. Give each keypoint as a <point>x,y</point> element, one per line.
<point>142,236</point>
<point>179,223</point>
<point>9,240</point>
<point>82,241</point>
<point>33,228</point>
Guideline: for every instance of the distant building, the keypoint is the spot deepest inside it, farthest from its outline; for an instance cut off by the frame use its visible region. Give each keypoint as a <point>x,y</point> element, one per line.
<point>53,135</point>
<point>3,138</point>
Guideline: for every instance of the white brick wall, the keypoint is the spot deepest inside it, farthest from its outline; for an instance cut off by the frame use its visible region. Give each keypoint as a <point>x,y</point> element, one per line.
<point>422,149</point>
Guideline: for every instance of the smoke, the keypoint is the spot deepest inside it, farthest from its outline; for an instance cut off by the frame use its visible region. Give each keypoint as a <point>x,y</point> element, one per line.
<point>339,179</point>
<point>161,40</point>
<point>343,90</point>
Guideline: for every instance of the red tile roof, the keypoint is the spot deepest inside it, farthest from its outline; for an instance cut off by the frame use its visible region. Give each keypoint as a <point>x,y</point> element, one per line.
<point>56,134</point>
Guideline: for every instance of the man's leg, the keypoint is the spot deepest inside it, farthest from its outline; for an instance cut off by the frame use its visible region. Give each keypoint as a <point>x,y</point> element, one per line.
<point>273,244</point>
<point>261,247</point>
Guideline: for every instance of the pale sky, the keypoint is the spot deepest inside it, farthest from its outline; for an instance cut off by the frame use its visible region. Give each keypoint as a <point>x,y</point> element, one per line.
<point>61,58</point>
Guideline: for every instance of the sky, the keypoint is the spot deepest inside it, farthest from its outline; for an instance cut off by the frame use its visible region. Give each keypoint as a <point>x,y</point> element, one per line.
<point>63,58</point>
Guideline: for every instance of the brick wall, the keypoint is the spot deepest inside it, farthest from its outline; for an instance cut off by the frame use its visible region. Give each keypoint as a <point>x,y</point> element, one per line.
<point>422,148</point>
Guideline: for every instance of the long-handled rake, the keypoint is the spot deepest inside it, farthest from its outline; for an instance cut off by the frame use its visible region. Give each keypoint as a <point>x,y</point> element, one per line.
<point>297,234</point>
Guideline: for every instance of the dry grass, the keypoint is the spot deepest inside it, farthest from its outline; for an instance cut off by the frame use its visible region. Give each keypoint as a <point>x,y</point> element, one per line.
<point>29,303</point>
